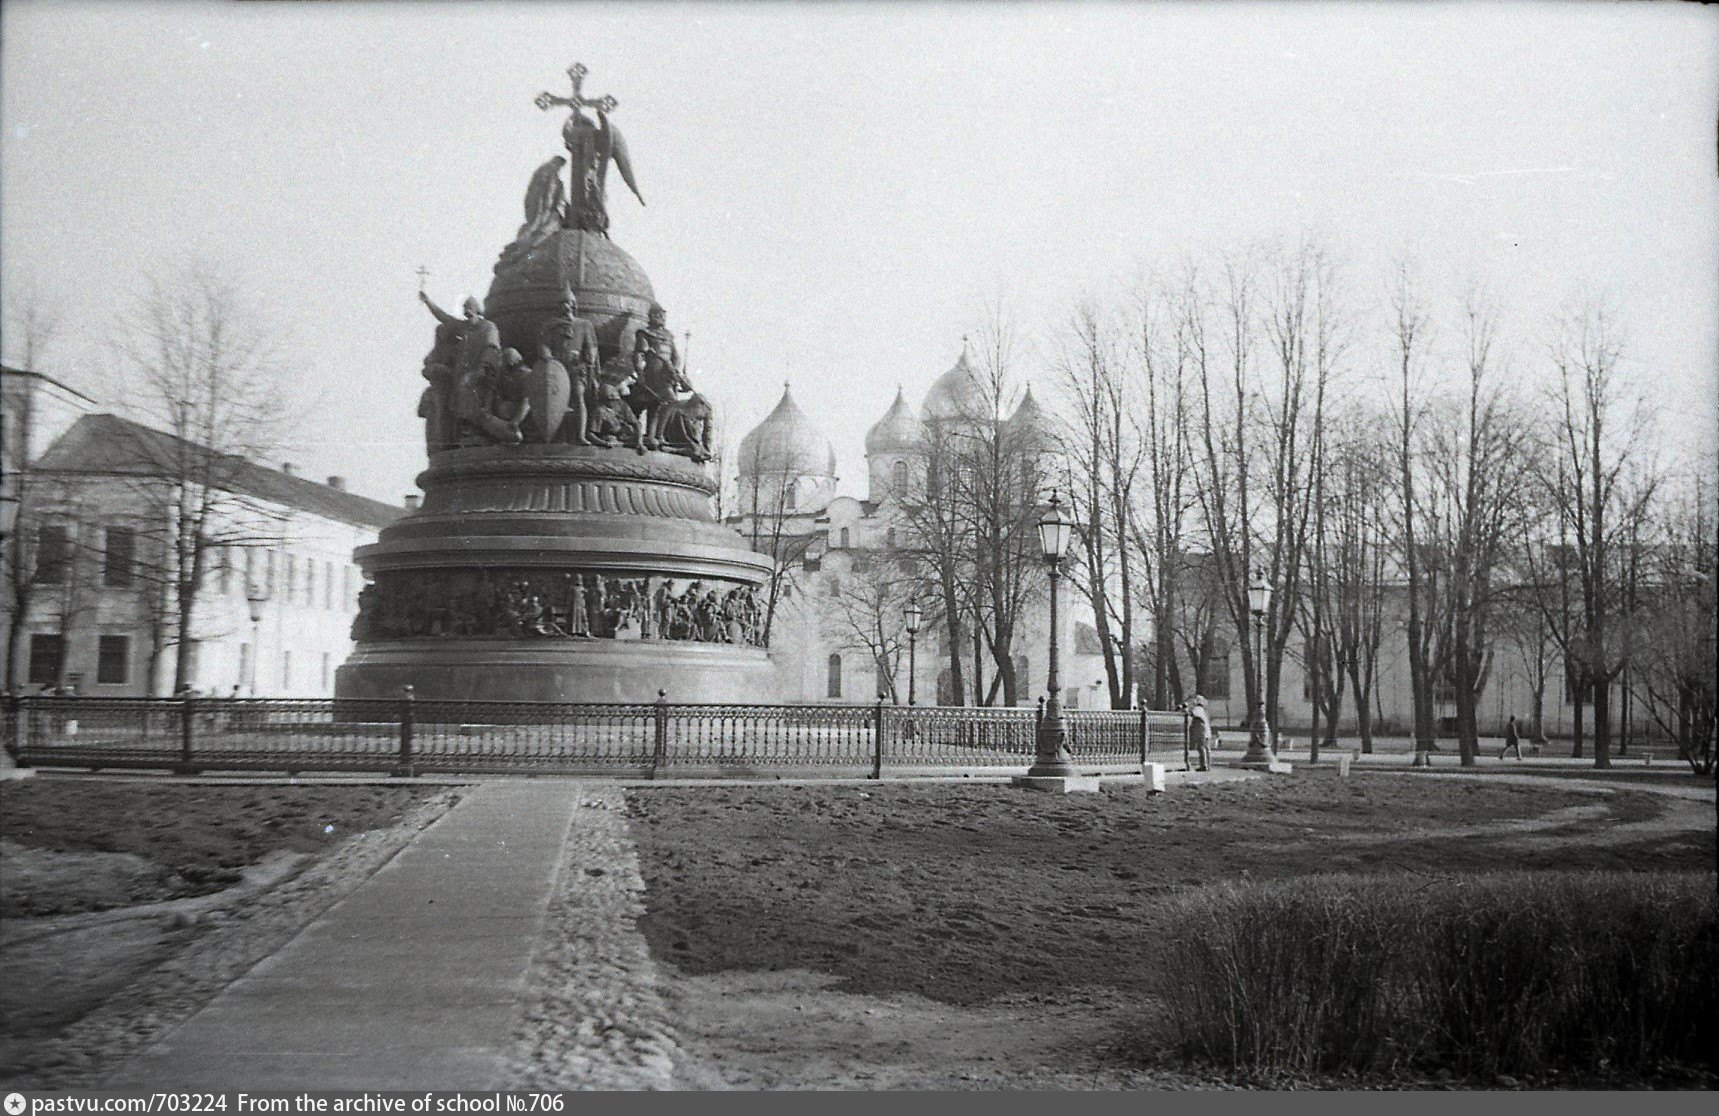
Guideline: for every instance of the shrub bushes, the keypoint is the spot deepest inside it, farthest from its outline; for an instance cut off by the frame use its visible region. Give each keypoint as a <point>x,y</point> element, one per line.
<point>1511,973</point>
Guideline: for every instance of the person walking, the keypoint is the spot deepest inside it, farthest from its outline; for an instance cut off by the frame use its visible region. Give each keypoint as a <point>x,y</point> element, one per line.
<point>1199,733</point>
<point>1512,738</point>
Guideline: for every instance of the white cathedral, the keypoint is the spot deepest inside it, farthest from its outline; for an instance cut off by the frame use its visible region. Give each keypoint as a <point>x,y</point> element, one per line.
<point>839,630</point>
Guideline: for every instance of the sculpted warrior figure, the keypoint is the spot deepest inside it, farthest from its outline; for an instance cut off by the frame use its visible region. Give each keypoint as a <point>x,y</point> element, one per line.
<point>657,377</point>
<point>435,406</point>
<point>571,341</point>
<point>478,368</point>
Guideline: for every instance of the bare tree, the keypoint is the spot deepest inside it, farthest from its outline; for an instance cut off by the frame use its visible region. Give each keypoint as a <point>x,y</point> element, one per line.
<point>1597,445</point>
<point>1105,457</point>
<point>210,372</point>
<point>767,505</point>
<point>1347,562</point>
<point>940,539</point>
<point>1425,599</point>
<point>870,612</point>
<point>1260,428</point>
<point>1006,481</point>
<point>33,329</point>
<point>1673,668</point>
<point>1474,468</point>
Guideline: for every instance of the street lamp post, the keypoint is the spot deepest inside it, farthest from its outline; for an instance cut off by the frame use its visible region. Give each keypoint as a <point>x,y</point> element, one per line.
<point>914,616</point>
<point>256,597</point>
<point>1259,733</point>
<point>1051,759</point>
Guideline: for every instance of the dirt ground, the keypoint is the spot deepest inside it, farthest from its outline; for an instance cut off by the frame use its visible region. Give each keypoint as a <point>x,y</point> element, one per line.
<point>900,936</point>
<point>103,880</point>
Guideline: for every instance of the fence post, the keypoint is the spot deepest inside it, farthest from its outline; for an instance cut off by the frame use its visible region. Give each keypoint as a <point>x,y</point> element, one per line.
<point>659,747</point>
<point>14,726</point>
<point>1145,737</point>
<point>405,769</point>
<point>187,729</point>
<point>877,739</point>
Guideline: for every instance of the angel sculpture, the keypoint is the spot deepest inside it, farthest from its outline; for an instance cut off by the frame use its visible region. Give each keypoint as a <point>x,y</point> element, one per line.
<point>591,148</point>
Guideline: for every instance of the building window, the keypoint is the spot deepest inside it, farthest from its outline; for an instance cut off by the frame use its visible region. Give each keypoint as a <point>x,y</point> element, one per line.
<point>1071,697</point>
<point>889,538</point>
<point>309,582</point>
<point>898,477</point>
<point>834,688</point>
<point>328,585</point>
<point>113,660</point>
<point>346,588</point>
<point>47,656</point>
<point>246,671</point>
<point>250,569</point>
<point>845,543</point>
<point>325,670</point>
<point>835,586</point>
<point>53,555</point>
<point>119,557</point>
<point>291,579</point>
<point>286,671</point>
<point>791,496</point>
<point>225,554</point>
<point>268,573</point>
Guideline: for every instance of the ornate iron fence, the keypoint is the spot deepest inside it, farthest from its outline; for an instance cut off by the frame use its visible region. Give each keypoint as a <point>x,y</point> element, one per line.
<point>655,739</point>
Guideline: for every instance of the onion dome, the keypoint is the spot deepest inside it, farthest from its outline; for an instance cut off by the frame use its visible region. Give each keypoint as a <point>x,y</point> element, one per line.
<point>897,431</point>
<point>957,394</point>
<point>787,442</point>
<point>1029,423</point>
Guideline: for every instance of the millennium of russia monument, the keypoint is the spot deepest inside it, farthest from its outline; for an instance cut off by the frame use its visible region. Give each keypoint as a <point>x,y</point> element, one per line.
<point>565,548</point>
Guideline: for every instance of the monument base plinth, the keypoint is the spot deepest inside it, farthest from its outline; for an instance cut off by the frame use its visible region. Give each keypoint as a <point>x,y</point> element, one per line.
<point>606,670</point>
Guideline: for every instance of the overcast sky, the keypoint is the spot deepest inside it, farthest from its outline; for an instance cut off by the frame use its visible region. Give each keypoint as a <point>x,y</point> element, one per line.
<point>835,192</point>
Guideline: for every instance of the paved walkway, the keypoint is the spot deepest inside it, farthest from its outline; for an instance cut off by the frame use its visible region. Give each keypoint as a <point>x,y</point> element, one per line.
<point>415,980</point>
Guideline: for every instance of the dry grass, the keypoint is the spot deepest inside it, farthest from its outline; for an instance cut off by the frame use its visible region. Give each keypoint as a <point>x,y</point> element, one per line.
<point>1512,973</point>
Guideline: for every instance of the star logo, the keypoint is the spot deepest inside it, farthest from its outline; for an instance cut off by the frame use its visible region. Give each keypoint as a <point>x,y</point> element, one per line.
<point>15,1104</point>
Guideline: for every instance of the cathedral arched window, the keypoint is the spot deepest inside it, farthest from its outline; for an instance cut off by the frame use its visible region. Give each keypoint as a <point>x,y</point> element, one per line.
<point>834,688</point>
<point>791,496</point>
<point>898,477</point>
<point>889,538</point>
<point>846,539</point>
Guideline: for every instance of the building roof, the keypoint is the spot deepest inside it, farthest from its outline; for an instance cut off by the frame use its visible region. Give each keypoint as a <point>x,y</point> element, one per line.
<point>108,444</point>
<point>8,370</point>
<point>787,442</point>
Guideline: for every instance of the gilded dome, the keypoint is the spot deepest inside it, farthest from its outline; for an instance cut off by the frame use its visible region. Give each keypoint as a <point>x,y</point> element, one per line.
<point>898,430</point>
<point>957,394</point>
<point>787,442</point>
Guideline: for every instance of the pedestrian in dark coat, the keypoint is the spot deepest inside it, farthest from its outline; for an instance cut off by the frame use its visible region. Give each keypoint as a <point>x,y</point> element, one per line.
<point>1512,738</point>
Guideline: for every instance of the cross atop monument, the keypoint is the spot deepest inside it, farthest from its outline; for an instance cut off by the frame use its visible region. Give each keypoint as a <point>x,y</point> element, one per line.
<point>576,75</point>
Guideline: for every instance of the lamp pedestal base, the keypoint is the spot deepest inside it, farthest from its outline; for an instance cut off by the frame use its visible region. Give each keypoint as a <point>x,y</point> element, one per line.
<point>1268,762</point>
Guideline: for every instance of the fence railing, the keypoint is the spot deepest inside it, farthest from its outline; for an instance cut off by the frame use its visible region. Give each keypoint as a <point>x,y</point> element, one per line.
<point>406,736</point>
